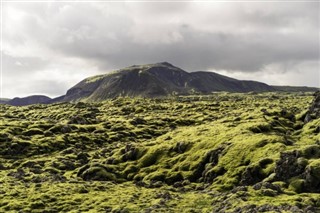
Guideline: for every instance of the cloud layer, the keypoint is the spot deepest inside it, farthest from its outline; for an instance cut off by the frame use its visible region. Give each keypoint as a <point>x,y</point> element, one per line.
<point>48,47</point>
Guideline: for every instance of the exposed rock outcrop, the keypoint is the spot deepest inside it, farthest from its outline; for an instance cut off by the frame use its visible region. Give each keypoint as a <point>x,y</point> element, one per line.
<point>314,110</point>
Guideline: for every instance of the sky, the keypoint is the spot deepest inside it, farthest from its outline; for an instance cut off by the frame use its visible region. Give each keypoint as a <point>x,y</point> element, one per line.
<point>47,47</point>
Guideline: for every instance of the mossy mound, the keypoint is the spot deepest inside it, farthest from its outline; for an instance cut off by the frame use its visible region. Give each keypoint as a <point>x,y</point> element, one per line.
<point>96,172</point>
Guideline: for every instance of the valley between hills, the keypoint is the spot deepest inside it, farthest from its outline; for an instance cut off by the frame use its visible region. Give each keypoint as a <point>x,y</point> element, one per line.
<point>221,152</point>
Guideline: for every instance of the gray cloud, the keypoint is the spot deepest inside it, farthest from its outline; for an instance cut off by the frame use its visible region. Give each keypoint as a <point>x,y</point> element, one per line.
<point>20,65</point>
<point>70,41</point>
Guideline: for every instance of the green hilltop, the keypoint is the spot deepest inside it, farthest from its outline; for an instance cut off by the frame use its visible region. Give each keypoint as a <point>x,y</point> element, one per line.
<point>157,80</point>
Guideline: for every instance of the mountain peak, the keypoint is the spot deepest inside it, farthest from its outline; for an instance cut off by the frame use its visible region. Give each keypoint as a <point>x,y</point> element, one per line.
<point>165,64</point>
<point>147,66</point>
<point>159,64</point>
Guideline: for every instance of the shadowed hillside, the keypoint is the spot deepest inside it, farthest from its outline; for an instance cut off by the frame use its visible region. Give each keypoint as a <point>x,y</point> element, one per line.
<point>157,80</point>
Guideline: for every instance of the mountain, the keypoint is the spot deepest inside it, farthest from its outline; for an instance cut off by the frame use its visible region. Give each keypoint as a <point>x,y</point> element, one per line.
<point>157,80</point>
<point>150,81</point>
<point>35,99</point>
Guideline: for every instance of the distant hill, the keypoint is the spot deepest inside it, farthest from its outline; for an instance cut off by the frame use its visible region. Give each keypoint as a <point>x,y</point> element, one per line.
<point>295,89</point>
<point>4,100</point>
<point>157,80</point>
<point>35,99</point>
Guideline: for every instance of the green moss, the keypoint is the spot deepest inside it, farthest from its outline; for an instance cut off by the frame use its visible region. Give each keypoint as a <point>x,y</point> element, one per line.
<point>311,151</point>
<point>156,176</point>
<point>297,185</point>
<point>314,168</point>
<point>260,128</point>
<point>151,157</point>
<point>303,162</point>
<point>96,172</point>
<point>131,169</point>
<point>33,131</point>
<point>157,154</point>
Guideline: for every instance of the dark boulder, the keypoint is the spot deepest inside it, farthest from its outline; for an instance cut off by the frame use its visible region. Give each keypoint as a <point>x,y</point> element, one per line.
<point>252,174</point>
<point>288,166</point>
<point>312,177</point>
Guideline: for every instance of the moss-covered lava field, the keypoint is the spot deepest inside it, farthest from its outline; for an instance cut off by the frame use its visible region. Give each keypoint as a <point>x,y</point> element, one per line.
<point>219,153</point>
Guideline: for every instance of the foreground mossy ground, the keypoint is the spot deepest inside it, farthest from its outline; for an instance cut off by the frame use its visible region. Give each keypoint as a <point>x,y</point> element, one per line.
<point>217,153</point>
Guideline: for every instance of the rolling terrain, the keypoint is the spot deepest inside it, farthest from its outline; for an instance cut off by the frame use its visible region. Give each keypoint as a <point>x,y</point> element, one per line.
<point>224,152</point>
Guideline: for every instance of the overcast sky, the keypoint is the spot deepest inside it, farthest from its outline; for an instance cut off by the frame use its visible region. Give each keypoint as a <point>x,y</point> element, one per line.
<point>49,47</point>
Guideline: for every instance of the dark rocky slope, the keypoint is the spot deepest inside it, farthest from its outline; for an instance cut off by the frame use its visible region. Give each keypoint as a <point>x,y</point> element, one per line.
<point>157,80</point>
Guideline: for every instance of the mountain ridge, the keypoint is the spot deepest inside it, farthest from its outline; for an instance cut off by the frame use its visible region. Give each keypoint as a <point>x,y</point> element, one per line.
<point>157,80</point>
<point>153,81</point>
